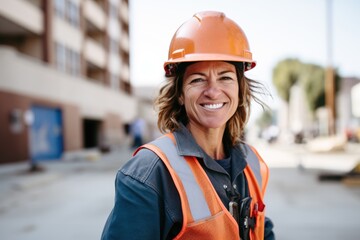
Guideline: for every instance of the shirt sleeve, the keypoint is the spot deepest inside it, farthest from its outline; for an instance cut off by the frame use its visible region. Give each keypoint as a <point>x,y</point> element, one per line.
<point>269,233</point>
<point>136,213</point>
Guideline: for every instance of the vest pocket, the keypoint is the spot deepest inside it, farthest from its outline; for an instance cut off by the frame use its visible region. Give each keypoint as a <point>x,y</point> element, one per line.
<point>214,227</point>
<point>258,232</point>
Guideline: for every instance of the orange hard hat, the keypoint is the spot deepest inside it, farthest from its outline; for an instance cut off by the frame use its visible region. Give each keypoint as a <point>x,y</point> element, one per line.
<point>208,36</point>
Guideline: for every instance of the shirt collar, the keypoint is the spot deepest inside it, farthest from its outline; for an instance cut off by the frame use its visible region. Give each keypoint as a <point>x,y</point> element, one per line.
<point>187,146</point>
<point>238,162</point>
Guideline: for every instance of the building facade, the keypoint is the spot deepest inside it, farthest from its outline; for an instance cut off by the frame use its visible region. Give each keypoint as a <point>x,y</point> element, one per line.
<point>348,110</point>
<point>65,81</point>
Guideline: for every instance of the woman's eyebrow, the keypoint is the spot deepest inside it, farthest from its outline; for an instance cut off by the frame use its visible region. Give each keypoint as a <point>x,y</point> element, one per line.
<point>226,71</point>
<point>196,73</point>
<point>203,74</point>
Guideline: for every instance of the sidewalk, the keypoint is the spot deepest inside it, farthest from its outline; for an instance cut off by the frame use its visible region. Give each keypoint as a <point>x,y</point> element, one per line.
<point>297,155</point>
<point>17,176</point>
<point>279,155</point>
<point>70,199</point>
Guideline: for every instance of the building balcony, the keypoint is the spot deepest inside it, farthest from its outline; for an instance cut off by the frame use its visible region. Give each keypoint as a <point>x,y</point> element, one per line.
<point>124,12</point>
<point>125,73</point>
<point>22,75</point>
<point>13,22</point>
<point>95,53</point>
<point>66,34</point>
<point>124,42</point>
<point>95,14</point>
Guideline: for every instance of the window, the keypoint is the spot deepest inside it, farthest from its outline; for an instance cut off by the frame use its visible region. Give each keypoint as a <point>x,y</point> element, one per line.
<point>68,11</point>
<point>74,17</point>
<point>75,63</point>
<point>60,8</point>
<point>60,57</point>
<point>114,82</point>
<point>113,46</point>
<point>67,60</point>
<point>113,10</point>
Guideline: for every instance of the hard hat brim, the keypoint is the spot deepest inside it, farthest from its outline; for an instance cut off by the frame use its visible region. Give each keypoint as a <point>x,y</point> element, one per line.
<point>210,57</point>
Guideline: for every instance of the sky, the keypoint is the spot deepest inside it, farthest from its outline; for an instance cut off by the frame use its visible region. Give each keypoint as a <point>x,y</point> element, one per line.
<point>276,30</point>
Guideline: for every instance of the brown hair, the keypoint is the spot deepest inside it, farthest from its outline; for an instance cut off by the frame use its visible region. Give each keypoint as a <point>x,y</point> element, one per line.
<point>171,113</point>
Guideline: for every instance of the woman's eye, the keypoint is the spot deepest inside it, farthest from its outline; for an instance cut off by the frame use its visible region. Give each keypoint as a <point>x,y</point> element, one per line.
<point>226,78</point>
<point>196,80</point>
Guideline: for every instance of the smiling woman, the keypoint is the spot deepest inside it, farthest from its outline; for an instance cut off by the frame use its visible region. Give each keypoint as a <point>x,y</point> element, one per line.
<point>199,180</point>
<point>210,98</point>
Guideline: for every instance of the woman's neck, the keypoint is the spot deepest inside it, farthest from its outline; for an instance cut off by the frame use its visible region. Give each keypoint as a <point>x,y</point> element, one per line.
<point>210,140</point>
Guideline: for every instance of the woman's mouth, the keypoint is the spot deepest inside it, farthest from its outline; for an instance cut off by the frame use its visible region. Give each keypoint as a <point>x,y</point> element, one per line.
<point>213,106</point>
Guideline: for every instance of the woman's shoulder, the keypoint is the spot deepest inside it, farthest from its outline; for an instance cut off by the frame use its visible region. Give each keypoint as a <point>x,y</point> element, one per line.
<point>143,166</point>
<point>147,169</point>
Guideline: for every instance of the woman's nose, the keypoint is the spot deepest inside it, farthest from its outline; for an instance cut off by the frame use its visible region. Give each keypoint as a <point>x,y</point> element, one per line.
<point>212,89</point>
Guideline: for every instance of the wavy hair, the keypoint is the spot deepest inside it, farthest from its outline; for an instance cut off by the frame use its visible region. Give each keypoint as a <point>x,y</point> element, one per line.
<point>171,113</point>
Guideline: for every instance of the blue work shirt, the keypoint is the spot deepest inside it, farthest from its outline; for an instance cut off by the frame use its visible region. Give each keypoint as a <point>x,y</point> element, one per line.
<point>147,204</point>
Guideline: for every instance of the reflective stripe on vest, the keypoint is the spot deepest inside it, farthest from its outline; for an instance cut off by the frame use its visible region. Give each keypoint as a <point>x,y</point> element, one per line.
<point>198,205</point>
<point>254,163</point>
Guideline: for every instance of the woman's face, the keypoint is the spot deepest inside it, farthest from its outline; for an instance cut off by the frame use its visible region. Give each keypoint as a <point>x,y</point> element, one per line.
<point>210,93</point>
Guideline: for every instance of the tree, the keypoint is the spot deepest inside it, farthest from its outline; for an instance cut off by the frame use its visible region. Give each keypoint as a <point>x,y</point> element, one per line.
<point>285,75</point>
<point>313,82</point>
<point>310,77</point>
<point>265,119</point>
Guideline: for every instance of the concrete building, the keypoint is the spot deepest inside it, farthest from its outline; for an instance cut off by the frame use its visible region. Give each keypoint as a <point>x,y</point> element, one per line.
<point>147,111</point>
<point>65,81</point>
<point>295,116</point>
<point>348,110</point>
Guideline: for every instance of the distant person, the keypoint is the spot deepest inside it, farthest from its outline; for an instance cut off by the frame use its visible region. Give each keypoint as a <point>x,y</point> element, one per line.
<point>137,130</point>
<point>199,180</point>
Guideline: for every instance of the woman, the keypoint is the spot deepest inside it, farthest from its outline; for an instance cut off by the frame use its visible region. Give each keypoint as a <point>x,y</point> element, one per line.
<point>198,181</point>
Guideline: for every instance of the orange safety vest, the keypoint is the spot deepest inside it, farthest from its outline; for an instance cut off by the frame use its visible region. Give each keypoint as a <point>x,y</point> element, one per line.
<point>204,215</point>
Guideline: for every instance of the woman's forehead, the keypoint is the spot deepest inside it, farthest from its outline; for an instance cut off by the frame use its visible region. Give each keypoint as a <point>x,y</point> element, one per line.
<point>219,66</point>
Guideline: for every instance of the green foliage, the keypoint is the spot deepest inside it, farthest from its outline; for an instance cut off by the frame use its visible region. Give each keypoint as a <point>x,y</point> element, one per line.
<point>310,76</point>
<point>285,75</point>
<point>265,119</point>
<point>313,81</point>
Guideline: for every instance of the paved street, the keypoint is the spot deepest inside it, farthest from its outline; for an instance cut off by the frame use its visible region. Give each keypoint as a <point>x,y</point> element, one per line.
<point>71,200</point>
<point>301,206</point>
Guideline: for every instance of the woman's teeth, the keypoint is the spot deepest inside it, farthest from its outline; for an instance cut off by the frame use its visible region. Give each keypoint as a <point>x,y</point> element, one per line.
<point>214,106</point>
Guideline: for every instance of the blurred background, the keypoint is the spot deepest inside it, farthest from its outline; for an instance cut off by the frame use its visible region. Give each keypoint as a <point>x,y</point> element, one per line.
<point>77,84</point>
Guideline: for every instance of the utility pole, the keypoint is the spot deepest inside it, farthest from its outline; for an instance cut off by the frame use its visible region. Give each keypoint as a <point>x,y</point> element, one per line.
<point>329,73</point>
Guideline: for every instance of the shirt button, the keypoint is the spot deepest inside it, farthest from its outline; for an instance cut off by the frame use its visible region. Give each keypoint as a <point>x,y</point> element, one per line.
<point>234,186</point>
<point>225,186</point>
